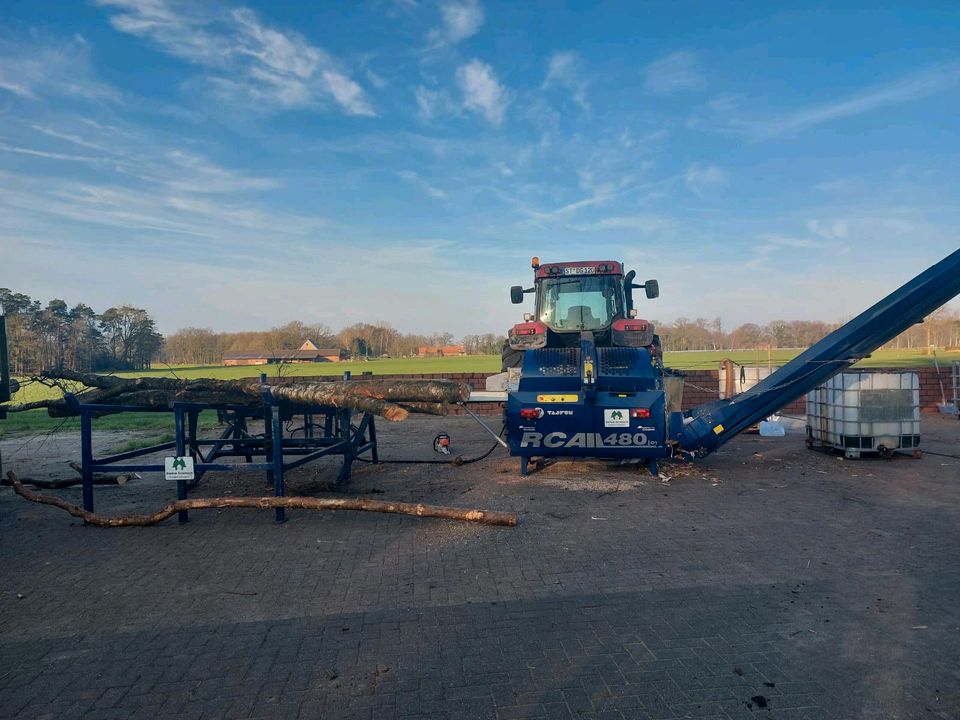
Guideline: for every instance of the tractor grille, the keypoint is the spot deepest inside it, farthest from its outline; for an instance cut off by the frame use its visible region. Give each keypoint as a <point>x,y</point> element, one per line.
<point>617,360</point>
<point>558,362</point>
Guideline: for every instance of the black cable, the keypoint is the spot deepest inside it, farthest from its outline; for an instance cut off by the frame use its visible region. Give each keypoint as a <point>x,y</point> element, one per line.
<point>925,452</point>
<point>931,452</point>
<point>454,461</point>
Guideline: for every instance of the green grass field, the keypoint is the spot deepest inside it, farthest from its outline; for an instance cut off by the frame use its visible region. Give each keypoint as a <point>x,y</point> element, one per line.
<point>37,421</point>
<point>708,360</point>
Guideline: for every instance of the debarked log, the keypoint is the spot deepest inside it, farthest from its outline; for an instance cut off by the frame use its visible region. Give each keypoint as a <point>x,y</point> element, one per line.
<point>484,517</point>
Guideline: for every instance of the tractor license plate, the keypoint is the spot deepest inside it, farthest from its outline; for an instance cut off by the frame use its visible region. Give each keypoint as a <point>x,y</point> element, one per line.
<point>558,398</point>
<point>585,270</point>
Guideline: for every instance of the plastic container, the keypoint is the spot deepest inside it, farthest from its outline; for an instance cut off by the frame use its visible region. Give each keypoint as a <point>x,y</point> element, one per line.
<point>742,378</point>
<point>866,413</point>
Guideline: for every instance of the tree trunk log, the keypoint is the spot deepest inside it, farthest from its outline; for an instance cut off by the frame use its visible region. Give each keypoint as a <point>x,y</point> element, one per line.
<point>35,405</point>
<point>425,408</point>
<point>392,399</point>
<point>484,517</point>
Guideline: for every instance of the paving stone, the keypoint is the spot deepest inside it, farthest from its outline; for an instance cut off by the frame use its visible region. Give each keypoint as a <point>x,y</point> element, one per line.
<point>636,616</point>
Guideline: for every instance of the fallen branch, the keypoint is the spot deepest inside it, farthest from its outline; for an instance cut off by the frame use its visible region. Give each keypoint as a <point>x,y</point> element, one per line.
<point>484,517</point>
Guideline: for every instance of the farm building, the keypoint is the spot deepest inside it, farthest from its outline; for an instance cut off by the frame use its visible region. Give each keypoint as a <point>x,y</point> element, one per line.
<point>441,351</point>
<point>308,352</point>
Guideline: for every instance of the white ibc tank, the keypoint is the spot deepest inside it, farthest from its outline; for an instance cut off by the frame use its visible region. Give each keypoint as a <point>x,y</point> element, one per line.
<point>744,378</point>
<point>859,412</point>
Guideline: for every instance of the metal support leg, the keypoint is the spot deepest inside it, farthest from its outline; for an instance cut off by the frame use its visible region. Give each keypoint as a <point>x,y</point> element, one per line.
<point>344,473</point>
<point>243,432</point>
<point>86,458</point>
<point>277,459</point>
<point>654,469</point>
<point>523,466</point>
<point>268,439</point>
<point>192,421</point>
<point>183,515</point>
<point>373,440</point>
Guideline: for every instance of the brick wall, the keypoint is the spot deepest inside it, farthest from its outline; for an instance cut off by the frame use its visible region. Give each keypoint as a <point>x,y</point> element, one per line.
<point>700,386</point>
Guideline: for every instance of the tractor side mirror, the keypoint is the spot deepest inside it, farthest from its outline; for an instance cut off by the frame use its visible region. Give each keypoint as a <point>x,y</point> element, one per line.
<point>516,294</point>
<point>652,288</point>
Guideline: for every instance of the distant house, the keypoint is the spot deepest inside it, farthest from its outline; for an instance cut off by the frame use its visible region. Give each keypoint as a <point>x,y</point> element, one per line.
<point>308,352</point>
<point>441,351</point>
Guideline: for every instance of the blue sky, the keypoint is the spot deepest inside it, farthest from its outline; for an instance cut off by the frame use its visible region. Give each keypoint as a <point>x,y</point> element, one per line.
<point>236,165</point>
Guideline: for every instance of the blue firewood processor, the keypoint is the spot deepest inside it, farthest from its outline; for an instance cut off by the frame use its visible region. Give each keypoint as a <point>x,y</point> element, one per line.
<point>592,381</point>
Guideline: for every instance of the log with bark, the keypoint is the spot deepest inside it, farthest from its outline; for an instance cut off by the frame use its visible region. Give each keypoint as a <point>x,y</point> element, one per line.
<point>98,479</point>
<point>484,517</point>
<point>391,399</point>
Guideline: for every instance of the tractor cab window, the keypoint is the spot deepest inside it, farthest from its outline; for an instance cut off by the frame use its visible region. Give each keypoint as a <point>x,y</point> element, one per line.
<point>579,303</point>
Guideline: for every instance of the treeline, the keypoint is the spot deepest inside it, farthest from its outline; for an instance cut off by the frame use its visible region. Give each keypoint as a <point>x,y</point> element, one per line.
<point>125,337</point>
<point>702,334</point>
<point>202,346</point>
<point>56,336</point>
<point>942,329</point>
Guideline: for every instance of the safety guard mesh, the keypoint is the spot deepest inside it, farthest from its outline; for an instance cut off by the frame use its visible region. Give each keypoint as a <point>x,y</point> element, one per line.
<point>617,360</point>
<point>558,362</point>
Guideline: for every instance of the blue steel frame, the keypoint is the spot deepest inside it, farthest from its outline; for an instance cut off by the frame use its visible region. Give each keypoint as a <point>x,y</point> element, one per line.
<point>336,436</point>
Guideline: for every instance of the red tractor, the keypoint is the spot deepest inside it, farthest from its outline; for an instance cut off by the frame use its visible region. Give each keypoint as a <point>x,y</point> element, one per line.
<point>575,297</point>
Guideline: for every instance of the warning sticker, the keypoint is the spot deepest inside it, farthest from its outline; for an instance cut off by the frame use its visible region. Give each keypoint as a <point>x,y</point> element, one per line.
<point>558,398</point>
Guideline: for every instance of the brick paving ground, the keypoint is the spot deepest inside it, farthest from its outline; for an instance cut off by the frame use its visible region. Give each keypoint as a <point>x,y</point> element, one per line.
<point>785,585</point>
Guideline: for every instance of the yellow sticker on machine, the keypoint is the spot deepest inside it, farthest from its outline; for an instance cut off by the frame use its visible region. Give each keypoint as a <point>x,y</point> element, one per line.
<point>558,398</point>
<point>718,429</point>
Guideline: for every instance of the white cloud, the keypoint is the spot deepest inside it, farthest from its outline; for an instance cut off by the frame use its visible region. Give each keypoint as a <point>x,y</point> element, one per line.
<point>345,91</point>
<point>649,224</point>
<point>134,157</point>
<point>427,100</point>
<point>244,59</point>
<point>48,155</point>
<point>730,117</point>
<point>374,79</point>
<point>481,91</point>
<point>677,72</point>
<point>414,179</point>
<point>36,65</point>
<point>71,138</point>
<point>912,87</point>
<point>194,174</point>
<point>564,70</point>
<point>836,230</point>
<point>701,179</point>
<point>460,21</point>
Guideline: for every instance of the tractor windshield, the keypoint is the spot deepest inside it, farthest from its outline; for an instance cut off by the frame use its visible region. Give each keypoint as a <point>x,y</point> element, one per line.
<point>579,303</point>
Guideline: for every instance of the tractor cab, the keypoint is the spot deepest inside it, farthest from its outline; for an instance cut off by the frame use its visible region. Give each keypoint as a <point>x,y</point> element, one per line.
<point>576,297</point>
